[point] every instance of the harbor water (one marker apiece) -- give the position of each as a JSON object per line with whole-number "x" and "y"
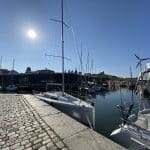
{"x": 107, "y": 116}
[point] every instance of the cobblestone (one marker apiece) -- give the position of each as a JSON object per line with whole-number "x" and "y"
{"x": 60, "y": 144}
{"x": 15, "y": 146}
{"x": 22, "y": 128}
{"x": 42, "y": 148}
{"x": 7, "y": 148}
{"x": 46, "y": 141}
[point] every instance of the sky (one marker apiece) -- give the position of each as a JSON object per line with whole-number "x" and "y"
{"x": 109, "y": 31}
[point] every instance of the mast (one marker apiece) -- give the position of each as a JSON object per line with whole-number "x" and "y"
{"x": 81, "y": 61}
{"x": 62, "y": 42}
{"x": 13, "y": 64}
{"x": 62, "y": 36}
{"x": 12, "y": 75}
{"x": 2, "y": 74}
{"x": 1, "y": 63}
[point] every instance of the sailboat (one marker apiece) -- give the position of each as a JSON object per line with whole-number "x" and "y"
{"x": 80, "y": 110}
{"x": 12, "y": 87}
{"x": 134, "y": 133}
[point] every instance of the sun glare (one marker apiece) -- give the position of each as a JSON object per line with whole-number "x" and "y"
{"x": 31, "y": 34}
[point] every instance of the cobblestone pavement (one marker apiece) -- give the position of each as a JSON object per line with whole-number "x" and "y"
{"x": 22, "y": 128}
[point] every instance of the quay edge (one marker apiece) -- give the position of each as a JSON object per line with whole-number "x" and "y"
{"x": 74, "y": 134}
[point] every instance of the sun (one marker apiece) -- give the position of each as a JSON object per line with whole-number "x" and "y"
{"x": 31, "y": 34}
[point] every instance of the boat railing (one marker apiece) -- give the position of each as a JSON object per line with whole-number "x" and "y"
{"x": 139, "y": 132}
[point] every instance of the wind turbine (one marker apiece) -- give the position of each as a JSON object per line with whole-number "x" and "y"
{"x": 140, "y": 60}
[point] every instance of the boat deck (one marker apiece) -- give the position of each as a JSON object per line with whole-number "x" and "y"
{"x": 144, "y": 121}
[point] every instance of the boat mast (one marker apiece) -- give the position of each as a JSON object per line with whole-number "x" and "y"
{"x": 1, "y": 63}
{"x": 62, "y": 36}
{"x": 2, "y": 74}
{"x": 12, "y": 75}
{"x": 13, "y": 64}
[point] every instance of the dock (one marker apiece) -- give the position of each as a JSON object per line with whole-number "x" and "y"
{"x": 27, "y": 123}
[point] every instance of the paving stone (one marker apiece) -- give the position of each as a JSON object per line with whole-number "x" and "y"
{"x": 49, "y": 145}
{"x": 60, "y": 144}
{"x": 30, "y": 148}
{"x": 46, "y": 137}
{"x": 33, "y": 138}
{"x": 2, "y": 143}
{"x": 10, "y": 134}
{"x": 7, "y": 148}
{"x": 15, "y": 146}
{"x": 28, "y": 145}
{"x": 42, "y": 148}
{"x": 21, "y": 148}
{"x": 53, "y": 147}
{"x": 21, "y": 126}
{"x": 25, "y": 142}
{"x": 55, "y": 139}
{"x": 36, "y": 146}
{"x": 42, "y": 135}
{"x": 37, "y": 141}
{"x": 47, "y": 141}
{"x": 64, "y": 148}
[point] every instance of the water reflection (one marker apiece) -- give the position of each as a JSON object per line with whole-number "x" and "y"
{"x": 107, "y": 116}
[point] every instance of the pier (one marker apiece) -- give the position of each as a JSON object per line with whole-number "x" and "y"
{"x": 28, "y": 123}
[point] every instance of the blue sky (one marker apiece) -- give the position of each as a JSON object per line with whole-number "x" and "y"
{"x": 111, "y": 30}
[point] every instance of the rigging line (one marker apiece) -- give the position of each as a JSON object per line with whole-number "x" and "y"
{"x": 76, "y": 41}
{"x": 88, "y": 121}
{"x": 57, "y": 56}
{"x": 71, "y": 28}
{"x": 77, "y": 50}
{"x": 131, "y": 82}
{"x": 57, "y": 8}
{"x": 74, "y": 36}
{"x": 121, "y": 95}
{"x": 82, "y": 67}
{"x": 93, "y": 136}
{"x": 68, "y": 3}
{"x": 67, "y": 10}
{"x": 1, "y": 62}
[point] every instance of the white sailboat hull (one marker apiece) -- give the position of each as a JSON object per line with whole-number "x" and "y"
{"x": 131, "y": 137}
{"x": 123, "y": 138}
{"x": 80, "y": 111}
{"x": 11, "y": 88}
